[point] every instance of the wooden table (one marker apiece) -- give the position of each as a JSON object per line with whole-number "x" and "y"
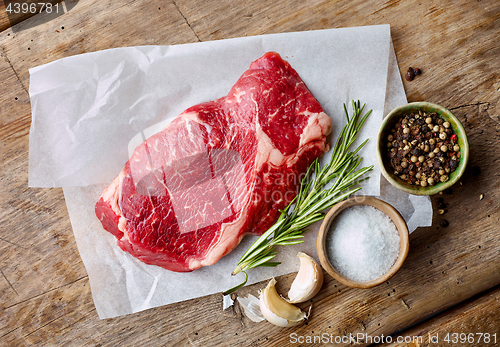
{"x": 450, "y": 281}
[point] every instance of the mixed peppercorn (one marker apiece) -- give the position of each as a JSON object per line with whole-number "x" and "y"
{"x": 411, "y": 73}
{"x": 423, "y": 149}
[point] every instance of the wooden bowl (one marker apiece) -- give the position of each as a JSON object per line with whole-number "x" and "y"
{"x": 391, "y": 212}
{"x": 381, "y": 148}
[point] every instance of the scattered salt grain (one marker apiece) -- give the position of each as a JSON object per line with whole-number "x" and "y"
{"x": 363, "y": 243}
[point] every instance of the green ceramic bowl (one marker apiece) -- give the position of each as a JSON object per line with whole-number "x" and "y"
{"x": 389, "y": 122}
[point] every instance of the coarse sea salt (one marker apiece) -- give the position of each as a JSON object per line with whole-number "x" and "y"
{"x": 362, "y": 243}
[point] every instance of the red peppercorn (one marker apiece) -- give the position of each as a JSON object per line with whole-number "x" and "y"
{"x": 453, "y": 138}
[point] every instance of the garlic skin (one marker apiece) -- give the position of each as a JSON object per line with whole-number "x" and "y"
{"x": 251, "y": 308}
{"x": 277, "y": 310}
{"x": 308, "y": 281}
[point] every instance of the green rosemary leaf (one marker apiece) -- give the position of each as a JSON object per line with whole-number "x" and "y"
{"x": 288, "y": 237}
{"x": 270, "y": 264}
{"x": 285, "y": 243}
{"x": 262, "y": 260}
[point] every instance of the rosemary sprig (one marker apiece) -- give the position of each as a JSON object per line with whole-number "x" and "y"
{"x": 314, "y": 197}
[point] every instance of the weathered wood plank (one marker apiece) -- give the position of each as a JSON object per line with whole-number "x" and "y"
{"x": 92, "y": 26}
{"x": 44, "y": 291}
{"x": 473, "y": 323}
{"x": 13, "y": 12}
{"x": 30, "y": 218}
{"x": 37, "y": 247}
{"x": 33, "y": 321}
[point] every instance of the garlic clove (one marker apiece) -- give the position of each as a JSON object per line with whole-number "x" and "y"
{"x": 277, "y": 310}
{"x": 308, "y": 281}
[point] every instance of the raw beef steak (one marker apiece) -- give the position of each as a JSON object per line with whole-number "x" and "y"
{"x": 218, "y": 171}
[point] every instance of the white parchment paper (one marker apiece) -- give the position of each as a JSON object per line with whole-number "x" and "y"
{"x": 90, "y": 111}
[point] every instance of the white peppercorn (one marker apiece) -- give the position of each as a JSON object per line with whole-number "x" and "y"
{"x": 446, "y": 124}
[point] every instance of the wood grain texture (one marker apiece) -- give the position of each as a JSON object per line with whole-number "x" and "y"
{"x": 92, "y": 26}
{"x": 473, "y": 323}
{"x": 45, "y": 299}
{"x": 13, "y": 12}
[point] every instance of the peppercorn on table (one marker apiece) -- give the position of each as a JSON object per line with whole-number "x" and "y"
{"x": 448, "y": 291}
